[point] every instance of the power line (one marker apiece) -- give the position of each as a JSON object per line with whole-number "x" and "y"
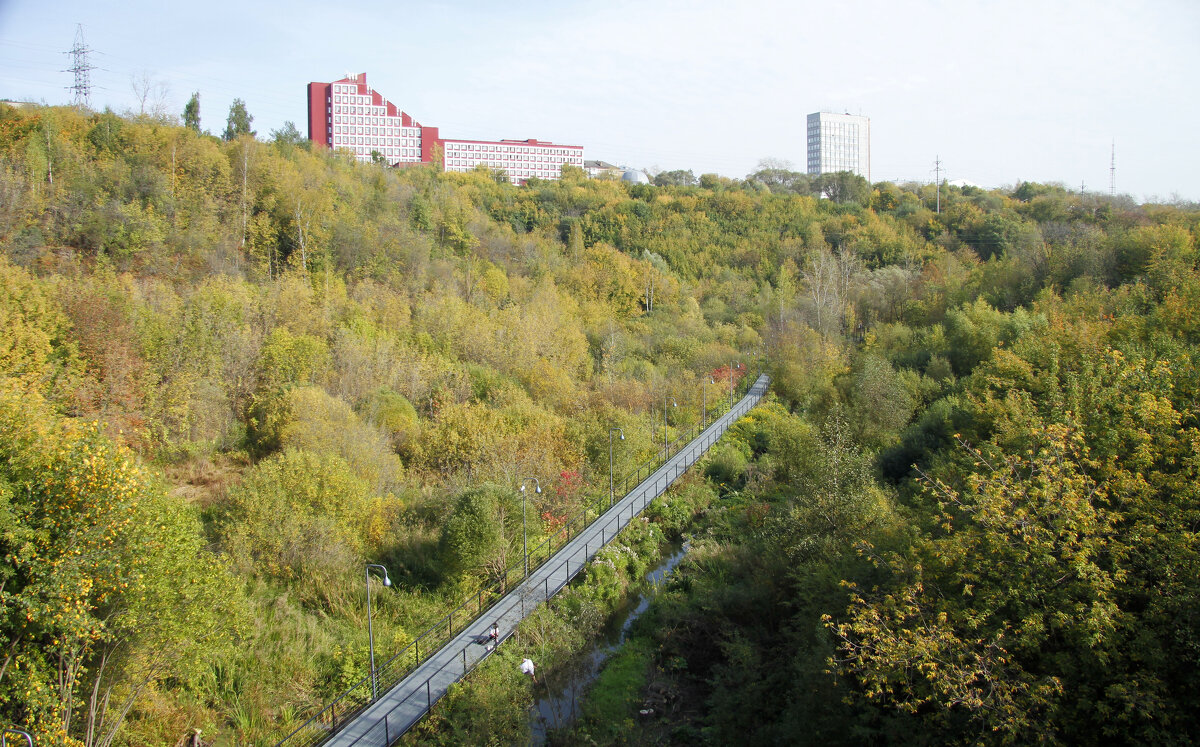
{"x": 82, "y": 68}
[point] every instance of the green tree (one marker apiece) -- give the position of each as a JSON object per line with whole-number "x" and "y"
{"x": 837, "y": 503}
{"x": 285, "y": 360}
{"x": 677, "y": 178}
{"x": 191, "y": 113}
{"x": 1002, "y": 615}
{"x": 394, "y": 415}
{"x": 778, "y": 176}
{"x": 480, "y": 532}
{"x": 881, "y": 402}
{"x": 318, "y": 422}
{"x": 844, "y": 187}
{"x": 994, "y": 234}
{"x": 288, "y": 135}
{"x": 238, "y": 123}
{"x": 298, "y": 515}
{"x": 35, "y": 351}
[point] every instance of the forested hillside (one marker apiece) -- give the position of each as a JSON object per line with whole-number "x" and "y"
{"x": 233, "y": 372}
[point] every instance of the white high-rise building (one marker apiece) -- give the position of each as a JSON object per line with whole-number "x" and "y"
{"x": 839, "y": 142}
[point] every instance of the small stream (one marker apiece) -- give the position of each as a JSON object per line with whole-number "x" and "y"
{"x": 559, "y": 707}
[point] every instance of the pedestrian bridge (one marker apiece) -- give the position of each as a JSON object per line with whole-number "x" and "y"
{"x": 409, "y": 685}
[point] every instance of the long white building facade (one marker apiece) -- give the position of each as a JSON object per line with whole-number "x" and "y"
{"x": 839, "y": 142}
{"x": 348, "y": 114}
{"x": 518, "y": 159}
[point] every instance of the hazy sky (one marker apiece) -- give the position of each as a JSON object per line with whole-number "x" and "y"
{"x": 1000, "y": 90}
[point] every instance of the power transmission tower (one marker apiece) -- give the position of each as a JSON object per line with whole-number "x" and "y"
{"x": 82, "y": 67}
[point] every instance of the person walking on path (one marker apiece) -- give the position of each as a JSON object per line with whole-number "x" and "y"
{"x": 491, "y": 638}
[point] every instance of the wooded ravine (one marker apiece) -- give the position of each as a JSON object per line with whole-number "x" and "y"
{"x": 232, "y": 372}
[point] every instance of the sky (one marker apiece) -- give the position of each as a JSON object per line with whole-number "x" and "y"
{"x": 997, "y": 91}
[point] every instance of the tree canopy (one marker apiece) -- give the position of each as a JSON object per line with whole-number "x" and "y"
{"x": 966, "y": 514}
{"x": 237, "y": 123}
{"x": 191, "y": 113}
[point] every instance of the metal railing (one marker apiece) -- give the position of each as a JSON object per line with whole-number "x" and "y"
{"x": 351, "y": 703}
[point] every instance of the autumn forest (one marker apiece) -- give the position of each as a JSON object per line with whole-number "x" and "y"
{"x": 233, "y": 370}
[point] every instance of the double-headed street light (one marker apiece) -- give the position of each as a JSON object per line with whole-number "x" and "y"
{"x": 370, "y": 632}
{"x": 610, "y": 462}
{"x": 524, "y": 532}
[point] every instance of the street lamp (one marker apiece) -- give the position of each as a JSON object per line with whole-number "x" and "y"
{"x": 704, "y": 389}
{"x": 673, "y": 404}
{"x": 731, "y": 364}
{"x": 370, "y": 631}
{"x": 610, "y": 462}
{"x": 524, "y": 532}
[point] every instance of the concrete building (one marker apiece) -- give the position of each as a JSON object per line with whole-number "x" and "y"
{"x": 347, "y": 114}
{"x": 519, "y": 159}
{"x": 596, "y": 169}
{"x": 839, "y": 142}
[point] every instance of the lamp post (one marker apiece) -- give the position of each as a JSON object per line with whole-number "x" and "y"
{"x": 704, "y": 389}
{"x": 731, "y": 364}
{"x": 673, "y": 404}
{"x": 370, "y": 631}
{"x": 610, "y": 462}
{"x": 524, "y": 532}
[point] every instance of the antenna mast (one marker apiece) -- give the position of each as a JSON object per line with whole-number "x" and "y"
{"x": 82, "y": 67}
{"x": 1112, "y": 171}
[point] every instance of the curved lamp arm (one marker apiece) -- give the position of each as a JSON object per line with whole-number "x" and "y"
{"x": 13, "y": 730}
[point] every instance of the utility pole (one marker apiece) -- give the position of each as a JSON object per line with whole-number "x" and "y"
{"x": 82, "y": 69}
{"x": 937, "y": 170}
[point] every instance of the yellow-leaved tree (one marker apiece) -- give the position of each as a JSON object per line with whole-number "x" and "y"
{"x": 106, "y": 584}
